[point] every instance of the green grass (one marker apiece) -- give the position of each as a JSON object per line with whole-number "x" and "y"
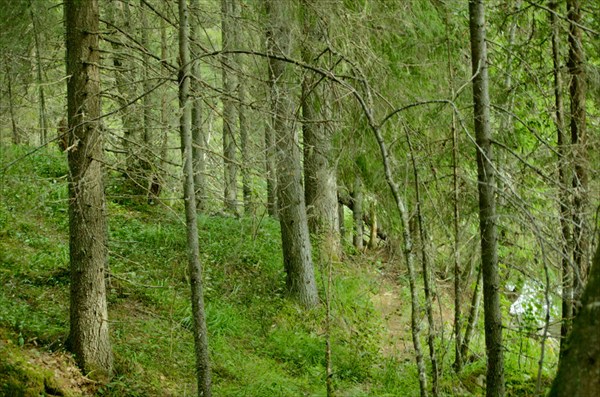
{"x": 261, "y": 344}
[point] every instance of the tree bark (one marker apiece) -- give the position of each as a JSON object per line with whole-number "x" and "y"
{"x": 89, "y": 335}
{"x": 296, "y": 244}
{"x": 563, "y": 194}
{"x": 199, "y": 142}
{"x": 426, "y": 278}
{"x": 271, "y": 166}
{"x": 146, "y": 163}
{"x": 11, "y": 108}
{"x": 357, "y": 214}
{"x": 472, "y": 318}
{"x": 43, "y": 125}
{"x": 126, "y": 76}
{"x": 577, "y": 90}
{"x": 242, "y": 119}
{"x": 579, "y": 367}
{"x": 269, "y": 131}
{"x": 320, "y": 179}
{"x": 193, "y": 251}
{"x": 230, "y": 118}
{"x": 487, "y": 203}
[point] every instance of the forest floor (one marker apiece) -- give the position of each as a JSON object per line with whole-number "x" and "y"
{"x": 261, "y": 343}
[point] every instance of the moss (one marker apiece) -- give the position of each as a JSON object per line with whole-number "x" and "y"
{"x": 20, "y": 378}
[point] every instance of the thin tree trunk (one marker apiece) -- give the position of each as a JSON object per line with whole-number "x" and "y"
{"x": 164, "y": 107}
{"x": 296, "y": 244}
{"x": 563, "y": 195}
{"x": 426, "y": 279}
{"x": 242, "y": 119}
{"x": 38, "y": 60}
{"x": 487, "y": 203}
{"x": 342, "y": 222}
{"x": 407, "y": 239}
{"x": 125, "y": 77}
{"x": 458, "y": 360}
{"x": 11, "y": 107}
{"x": 357, "y": 214}
{"x": 193, "y": 251}
{"x": 473, "y": 316}
{"x": 270, "y": 152}
{"x": 577, "y": 91}
{"x": 230, "y": 118}
{"x": 146, "y": 166}
{"x": 373, "y": 225}
{"x": 89, "y": 334}
{"x": 328, "y": 363}
{"x": 198, "y": 136}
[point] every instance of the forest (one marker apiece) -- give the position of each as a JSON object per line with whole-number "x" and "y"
{"x": 299, "y": 198}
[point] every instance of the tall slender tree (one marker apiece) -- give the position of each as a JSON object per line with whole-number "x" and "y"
{"x": 198, "y": 134}
{"x": 564, "y": 199}
{"x": 487, "y": 201}
{"x": 88, "y": 337}
{"x": 295, "y": 239}
{"x": 38, "y": 62}
{"x": 230, "y": 119}
{"x": 203, "y": 375}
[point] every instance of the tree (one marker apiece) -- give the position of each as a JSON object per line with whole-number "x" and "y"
{"x": 89, "y": 337}
{"x": 193, "y": 250}
{"x": 357, "y": 213}
{"x": 487, "y": 203}
{"x": 230, "y": 118}
{"x": 320, "y": 181}
{"x": 579, "y": 366}
{"x": 40, "y": 81}
{"x": 566, "y": 275}
{"x": 298, "y": 264}
{"x": 126, "y": 73}
{"x": 198, "y": 134}
{"x": 577, "y": 90}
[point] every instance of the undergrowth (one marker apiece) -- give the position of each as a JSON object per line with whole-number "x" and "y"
{"x": 261, "y": 344}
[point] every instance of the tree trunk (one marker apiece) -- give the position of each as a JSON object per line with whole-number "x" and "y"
{"x": 473, "y": 317}
{"x": 487, "y": 203}
{"x": 271, "y": 166}
{"x": 164, "y": 109}
{"x": 563, "y": 194}
{"x": 242, "y": 119}
{"x": 38, "y": 60}
{"x": 11, "y": 108}
{"x": 230, "y": 118}
{"x": 198, "y": 136}
{"x": 426, "y": 278}
{"x": 373, "y": 225}
{"x": 577, "y": 90}
{"x": 342, "y": 222}
{"x": 270, "y": 152}
{"x": 357, "y": 214}
{"x": 89, "y": 336}
{"x": 126, "y": 74}
{"x": 146, "y": 162}
{"x": 296, "y": 244}
{"x": 579, "y": 366}
{"x": 320, "y": 180}
{"x": 193, "y": 250}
